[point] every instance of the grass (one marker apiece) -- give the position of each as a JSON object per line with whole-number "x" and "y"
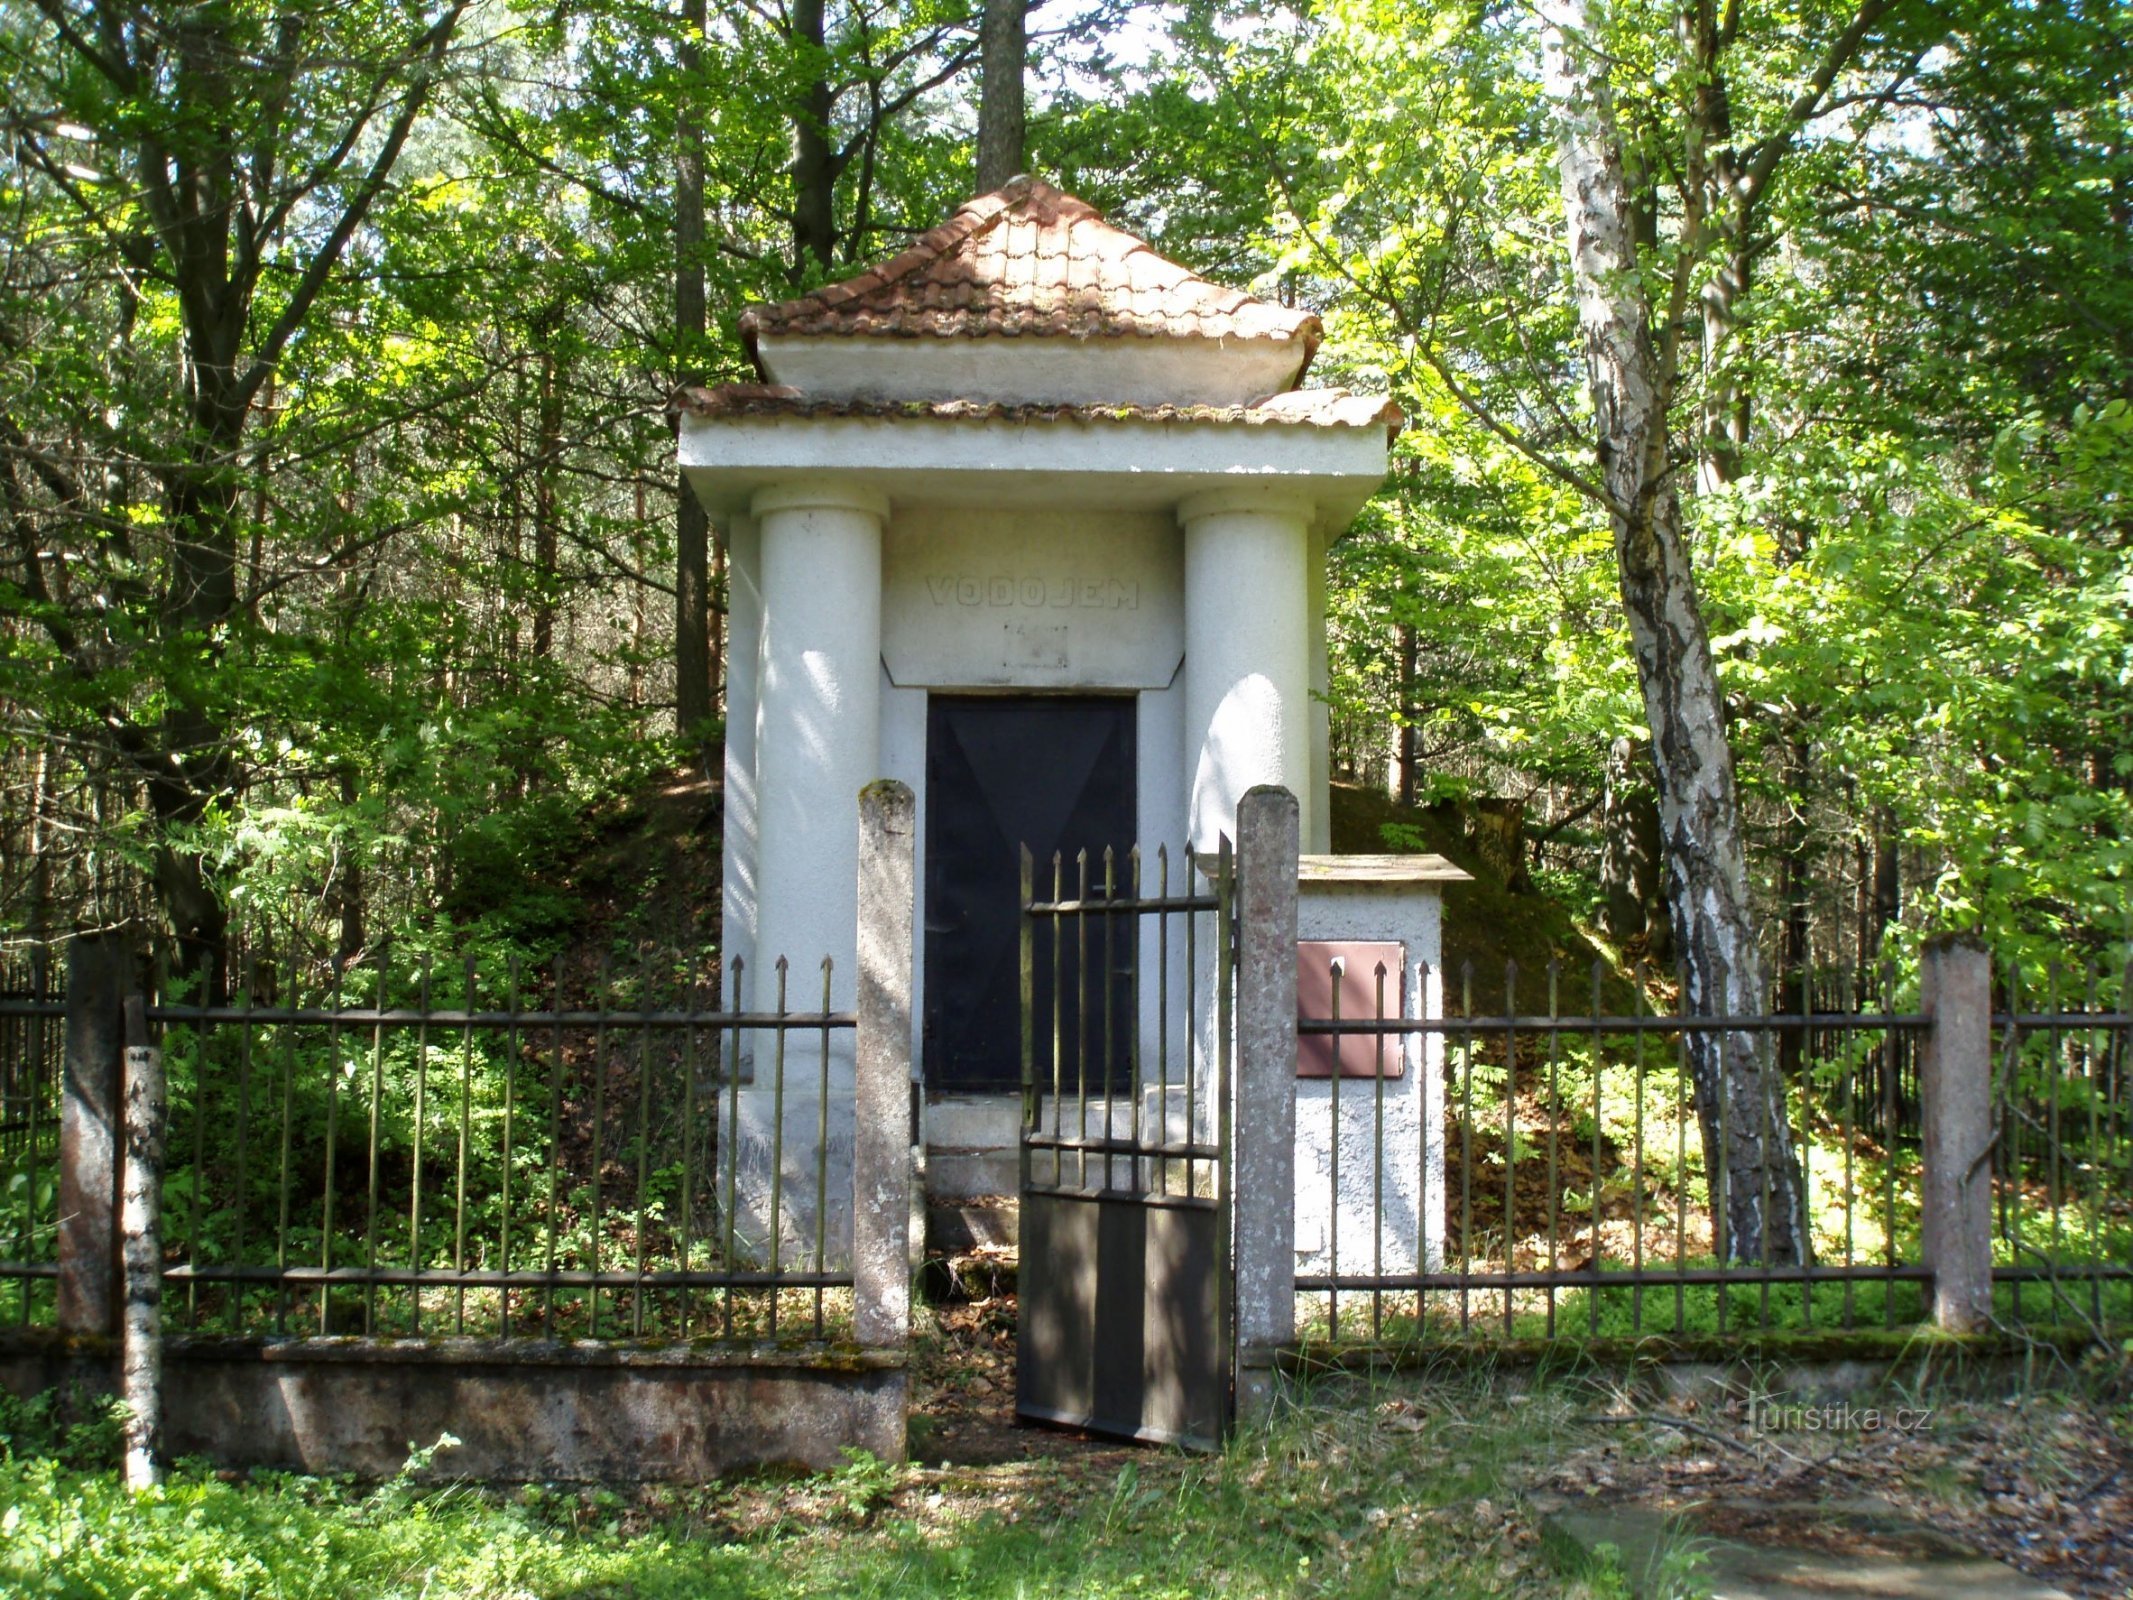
{"x": 1363, "y": 1485}
{"x": 1346, "y": 1494}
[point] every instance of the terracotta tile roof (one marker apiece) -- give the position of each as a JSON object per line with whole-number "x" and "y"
{"x": 1318, "y": 408}
{"x": 1027, "y": 260}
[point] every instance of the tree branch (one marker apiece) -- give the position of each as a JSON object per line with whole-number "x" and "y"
{"x": 434, "y": 44}
{"x": 1764, "y": 156}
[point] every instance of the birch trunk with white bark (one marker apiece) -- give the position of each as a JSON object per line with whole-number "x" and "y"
{"x": 1739, "y": 1093}
{"x": 141, "y": 1228}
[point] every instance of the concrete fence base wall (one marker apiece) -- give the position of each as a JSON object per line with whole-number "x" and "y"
{"x": 522, "y": 1411}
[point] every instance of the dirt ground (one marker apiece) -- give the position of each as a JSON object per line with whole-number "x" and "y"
{"x": 964, "y": 1411}
{"x": 2041, "y": 1478}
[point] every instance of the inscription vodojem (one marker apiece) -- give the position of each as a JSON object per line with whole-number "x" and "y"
{"x": 1036, "y": 594}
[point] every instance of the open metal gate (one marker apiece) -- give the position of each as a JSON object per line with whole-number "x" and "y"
{"x": 1125, "y": 1282}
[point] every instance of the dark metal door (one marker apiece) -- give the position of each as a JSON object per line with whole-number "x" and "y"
{"x": 1125, "y": 1220}
{"x": 1053, "y": 773}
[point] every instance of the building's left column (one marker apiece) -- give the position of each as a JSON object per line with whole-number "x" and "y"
{"x": 818, "y": 726}
{"x": 817, "y": 744}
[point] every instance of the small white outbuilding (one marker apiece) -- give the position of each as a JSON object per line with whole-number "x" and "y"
{"x": 1035, "y": 521}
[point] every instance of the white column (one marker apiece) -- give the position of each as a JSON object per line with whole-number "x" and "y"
{"x": 1247, "y": 653}
{"x": 1318, "y": 799}
{"x": 744, "y": 630}
{"x": 818, "y": 727}
{"x": 817, "y": 744}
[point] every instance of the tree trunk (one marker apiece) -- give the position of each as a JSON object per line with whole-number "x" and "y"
{"x": 1496, "y": 827}
{"x": 1795, "y": 887}
{"x": 1003, "y": 55}
{"x": 547, "y": 536}
{"x": 39, "y": 917}
{"x": 1633, "y": 857}
{"x": 717, "y": 607}
{"x": 143, "y": 1123}
{"x": 1408, "y": 653}
{"x": 1728, "y": 208}
{"x": 1887, "y": 900}
{"x": 1739, "y": 1094}
{"x": 814, "y": 163}
{"x": 692, "y": 617}
{"x": 1725, "y": 397}
{"x": 262, "y": 486}
{"x": 351, "y": 889}
{"x": 640, "y": 622}
{"x": 692, "y": 643}
{"x": 194, "y": 762}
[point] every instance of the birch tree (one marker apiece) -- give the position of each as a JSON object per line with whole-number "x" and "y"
{"x": 1631, "y": 372}
{"x": 1514, "y": 205}
{"x": 1634, "y": 353}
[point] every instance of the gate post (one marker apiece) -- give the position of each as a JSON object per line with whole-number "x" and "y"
{"x": 1263, "y": 1158}
{"x": 1955, "y": 1093}
{"x": 98, "y": 969}
{"x": 881, "y": 1133}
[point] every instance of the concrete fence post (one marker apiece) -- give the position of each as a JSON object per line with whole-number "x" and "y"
{"x": 1955, "y": 1090}
{"x": 1263, "y": 1153}
{"x": 881, "y": 1138}
{"x": 98, "y": 968}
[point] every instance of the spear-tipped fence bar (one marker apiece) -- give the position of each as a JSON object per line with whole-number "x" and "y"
{"x": 2062, "y": 1176}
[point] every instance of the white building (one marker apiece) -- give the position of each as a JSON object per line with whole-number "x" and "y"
{"x": 1034, "y": 521}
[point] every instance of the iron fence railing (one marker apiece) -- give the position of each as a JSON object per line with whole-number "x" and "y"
{"x": 424, "y": 1150}
{"x": 412, "y": 1148}
{"x": 1121, "y": 970}
{"x": 32, "y": 1036}
{"x": 1575, "y": 1198}
{"x": 2062, "y": 1148}
{"x": 30, "y": 1041}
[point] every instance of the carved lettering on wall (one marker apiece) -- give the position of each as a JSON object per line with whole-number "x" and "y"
{"x": 1034, "y": 594}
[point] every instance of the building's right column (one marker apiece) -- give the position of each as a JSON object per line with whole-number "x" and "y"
{"x": 1318, "y": 797}
{"x": 1247, "y": 654}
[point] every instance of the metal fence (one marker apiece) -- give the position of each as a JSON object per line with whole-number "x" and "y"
{"x": 1567, "y": 1190}
{"x": 32, "y": 1034}
{"x": 407, "y": 1148}
{"x": 1123, "y": 1051}
{"x": 2062, "y": 1149}
{"x": 411, "y": 1148}
{"x": 30, "y": 1042}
